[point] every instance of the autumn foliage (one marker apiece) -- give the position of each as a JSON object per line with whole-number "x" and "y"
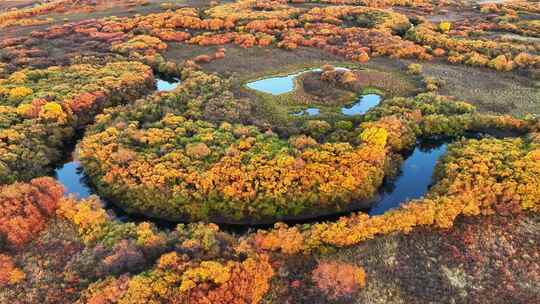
{"x": 471, "y": 192}
{"x": 41, "y": 108}
{"x": 226, "y": 171}
{"x": 202, "y": 152}
{"x": 9, "y": 273}
{"x": 344, "y": 28}
{"x": 178, "y": 280}
{"x": 25, "y": 209}
{"x": 337, "y": 279}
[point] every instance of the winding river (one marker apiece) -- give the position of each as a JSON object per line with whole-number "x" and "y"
{"x": 412, "y": 182}
{"x": 414, "y": 179}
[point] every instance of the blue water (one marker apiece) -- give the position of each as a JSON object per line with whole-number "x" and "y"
{"x": 274, "y": 85}
{"x": 280, "y": 84}
{"x": 360, "y": 107}
{"x": 71, "y": 176}
{"x": 308, "y": 111}
{"x": 414, "y": 180}
{"x": 165, "y": 85}
{"x": 364, "y": 104}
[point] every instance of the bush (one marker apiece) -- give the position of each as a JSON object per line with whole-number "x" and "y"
{"x": 26, "y": 207}
{"x": 414, "y": 69}
{"x": 344, "y": 125}
{"x": 445, "y": 26}
{"x": 338, "y": 279}
{"x": 374, "y": 136}
{"x": 197, "y": 150}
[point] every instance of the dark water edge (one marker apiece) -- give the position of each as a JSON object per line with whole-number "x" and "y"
{"x": 167, "y": 84}
{"x": 363, "y": 104}
{"x": 413, "y": 181}
{"x": 414, "y": 178}
{"x": 359, "y": 107}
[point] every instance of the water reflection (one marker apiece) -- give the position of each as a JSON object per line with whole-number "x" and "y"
{"x": 415, "y": 177}
{"x": 164, "y": 85}
{"x": 362, "y": 105}
{"x": 72, "y": 177}
{"x": 308, "y": 111}
{"x": 281, "y": 84}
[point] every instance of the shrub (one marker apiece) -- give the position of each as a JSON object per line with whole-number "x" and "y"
{"x": 375, "y": 136}
{"x": 501, "y": 63}
{"x": 18, "y": 93}
{"x": 198, "y": 150}
{"x": 338, "y": 279}
{"x": 445, "y": 26}
{"x": 414, "y": 69}
{"x": 344, "y": 125}
{"x": 26, "y": 207}
{"x": 9, "y": 273}
{"x": 302, "y": 141}
{"x": 317, "y": 127}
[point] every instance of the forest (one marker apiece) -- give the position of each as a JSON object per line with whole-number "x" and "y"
{"x": 269, "y": 151}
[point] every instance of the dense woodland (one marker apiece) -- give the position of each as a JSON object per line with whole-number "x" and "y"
{"x": 208, "y": 174}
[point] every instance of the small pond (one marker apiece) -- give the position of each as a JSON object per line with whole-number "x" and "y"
{"x": 280, "y": 84}
{"x": 165, "y": 85}
{"x": 362, "y": 105}
{"x": 308, "y": 111}
{"x": 274, "y": 85}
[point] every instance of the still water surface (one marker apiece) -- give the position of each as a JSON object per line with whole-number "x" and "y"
{"x": 413, "y": 181}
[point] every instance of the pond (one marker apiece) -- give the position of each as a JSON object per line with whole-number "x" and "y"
{"x": 308, "y": 111}
{"x": 165, "y": 85}
{"x": 274, "y": 85}
{"x": 362, "y": 105}
{"x": 280, "y": 84}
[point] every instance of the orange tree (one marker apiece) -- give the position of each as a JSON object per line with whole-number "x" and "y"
{"x": 25, "y": 208}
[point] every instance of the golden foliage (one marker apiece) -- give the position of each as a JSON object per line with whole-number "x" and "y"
{"x": 374, "y": 136}
{"x": 9, "y": 273}
{"x": 474, "y": 180}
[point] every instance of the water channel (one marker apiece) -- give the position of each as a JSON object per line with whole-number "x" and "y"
{"x": 412, "y": 182}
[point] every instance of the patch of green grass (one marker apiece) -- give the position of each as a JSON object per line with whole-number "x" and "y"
{"x": 372, "y": 90}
